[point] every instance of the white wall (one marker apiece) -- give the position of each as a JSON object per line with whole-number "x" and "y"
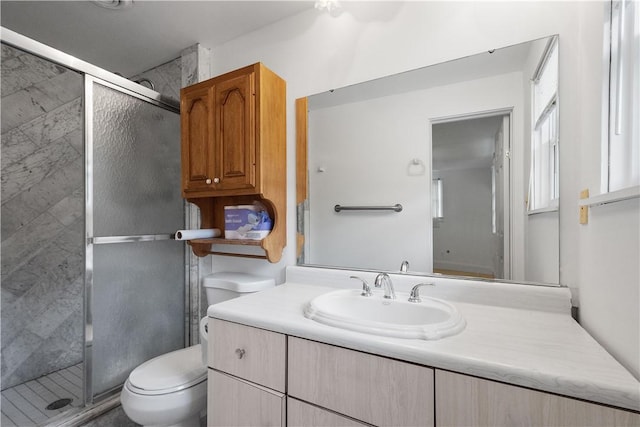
{"x": 315, "y": 52}
{"x": 542, "y": 252}
{"x": 365, "y": 149}
{"x": 375, "y": 142}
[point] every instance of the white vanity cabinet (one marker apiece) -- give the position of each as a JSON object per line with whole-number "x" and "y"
{"x": 467, "y": 401}
{"x": 264, "y": 378}
{"x": 522, "y": 362}
{"x": 373, "y": 389}
{"x": 246, "y": 381}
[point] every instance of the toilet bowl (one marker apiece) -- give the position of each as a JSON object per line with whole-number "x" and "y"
{"x": 171, "y": 389}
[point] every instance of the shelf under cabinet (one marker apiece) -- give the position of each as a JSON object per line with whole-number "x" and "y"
{"x": 222, "y": 241}
{"x": 203, "y": 247}
{"x": 212, "y": 216}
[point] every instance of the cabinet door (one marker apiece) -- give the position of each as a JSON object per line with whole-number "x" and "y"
{"x": 234, "y": 402}
{"x": 376, "y": 390}
{"x": 468, "y": 401}
{"x": 301, "y": 414}
{"x": 236, "y": 133}
{"x": 197, "y": 135}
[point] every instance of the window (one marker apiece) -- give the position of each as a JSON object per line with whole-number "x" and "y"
{"x": 621, "y": 165}
{"x": 437, "y": 202}
{"x": 543, "y": 181}
{"x": 494, "y": 225}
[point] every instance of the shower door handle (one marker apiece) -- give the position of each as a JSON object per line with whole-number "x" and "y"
{"x": 103, "y": 240}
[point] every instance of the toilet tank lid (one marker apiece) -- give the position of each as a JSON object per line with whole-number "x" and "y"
{"x": 238, "y": 282}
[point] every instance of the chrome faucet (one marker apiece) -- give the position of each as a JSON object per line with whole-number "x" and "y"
{"x": 414, "y": 296}
{"x": 383, "y": 280}
{"x": 366, "y": 289}
{"x": 404, "y": 266}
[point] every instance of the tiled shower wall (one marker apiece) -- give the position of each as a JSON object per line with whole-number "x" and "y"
{"x": 42, "y": 217}
{"x": 42, "y": 211}
{"x": 166, "y": 78}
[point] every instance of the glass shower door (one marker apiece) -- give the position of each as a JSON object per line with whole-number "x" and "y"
{"x": 135, "y": 299}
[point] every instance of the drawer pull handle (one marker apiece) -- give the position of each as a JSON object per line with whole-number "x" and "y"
{"x": 240, "y": 353}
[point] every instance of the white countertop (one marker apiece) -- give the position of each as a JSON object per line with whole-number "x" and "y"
{"x": 542, "y": 350}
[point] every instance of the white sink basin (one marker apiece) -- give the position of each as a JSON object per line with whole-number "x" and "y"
{"x": 430, "y": 319}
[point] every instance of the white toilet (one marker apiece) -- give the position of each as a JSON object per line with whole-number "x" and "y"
{"x": 171, "y": 389}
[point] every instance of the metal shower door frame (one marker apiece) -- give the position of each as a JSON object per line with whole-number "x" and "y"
{"x": 93, "y": 74}
{"x": 89, "y": 84}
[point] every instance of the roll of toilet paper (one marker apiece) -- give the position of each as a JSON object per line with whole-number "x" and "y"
{"x": 204, "y": 233}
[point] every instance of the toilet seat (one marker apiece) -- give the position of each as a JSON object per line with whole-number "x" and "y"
{"x": 168, "y": 373}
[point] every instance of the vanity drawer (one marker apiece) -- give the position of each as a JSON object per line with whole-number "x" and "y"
{"x": 250, "y": 353}
{"x": 370, "y": 388}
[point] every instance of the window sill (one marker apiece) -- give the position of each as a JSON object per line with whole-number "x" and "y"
{"x": 611, "y": 197}
{"x": 543, "y": 210}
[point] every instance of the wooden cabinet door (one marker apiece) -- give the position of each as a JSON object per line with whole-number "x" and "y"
{"x": 467, "y": 401}
{"x": 232, "y": 402}
{"x": 374, "y": 389}
{"x": 302, "y": 414}
{"x": 235, "y": 133}
{"x": 197, "y": 135}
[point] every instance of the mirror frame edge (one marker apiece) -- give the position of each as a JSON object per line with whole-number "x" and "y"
{"x": 302, "y": 110}
{"x": 302, "y": 133}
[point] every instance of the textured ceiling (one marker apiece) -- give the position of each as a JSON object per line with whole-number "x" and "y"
{"x": 147, "y": 34}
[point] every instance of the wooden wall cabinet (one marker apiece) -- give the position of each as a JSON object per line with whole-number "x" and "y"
{"x": 233, "y": 132}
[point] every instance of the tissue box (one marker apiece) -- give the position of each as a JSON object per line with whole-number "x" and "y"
{"x": 246, "y": 222}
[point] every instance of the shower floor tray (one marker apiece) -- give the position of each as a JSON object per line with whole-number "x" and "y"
{"x": 26, "y": 404}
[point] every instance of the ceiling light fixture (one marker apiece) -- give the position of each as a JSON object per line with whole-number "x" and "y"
{"x": 330, "y": 6}
{"x": 113, "y": 4}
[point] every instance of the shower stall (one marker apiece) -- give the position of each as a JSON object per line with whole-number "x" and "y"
{"x": 93, "y": 283}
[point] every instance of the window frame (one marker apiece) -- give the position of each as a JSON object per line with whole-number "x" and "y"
{"x": 545, "y": 151}
{"x": 611, "y": 115}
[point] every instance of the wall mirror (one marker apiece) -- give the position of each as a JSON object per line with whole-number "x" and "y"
{"x": 452, "y": 167}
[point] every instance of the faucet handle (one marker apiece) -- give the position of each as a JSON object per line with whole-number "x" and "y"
{"x": 414, "y": 296}
{"x": 366, "y": 289}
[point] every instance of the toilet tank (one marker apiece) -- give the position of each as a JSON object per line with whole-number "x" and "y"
{"x": 223, "y": 286}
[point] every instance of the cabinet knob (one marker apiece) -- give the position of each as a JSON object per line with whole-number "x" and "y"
{"x": 216, "y": 180}
{"x": 208, "y": 181}
{"x": 240, "y": 353}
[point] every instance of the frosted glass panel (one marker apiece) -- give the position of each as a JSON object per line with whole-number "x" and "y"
{"x": 136, "y": 154}
{"x": 138, "y": 289}
{"x": 138, "y": 303}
